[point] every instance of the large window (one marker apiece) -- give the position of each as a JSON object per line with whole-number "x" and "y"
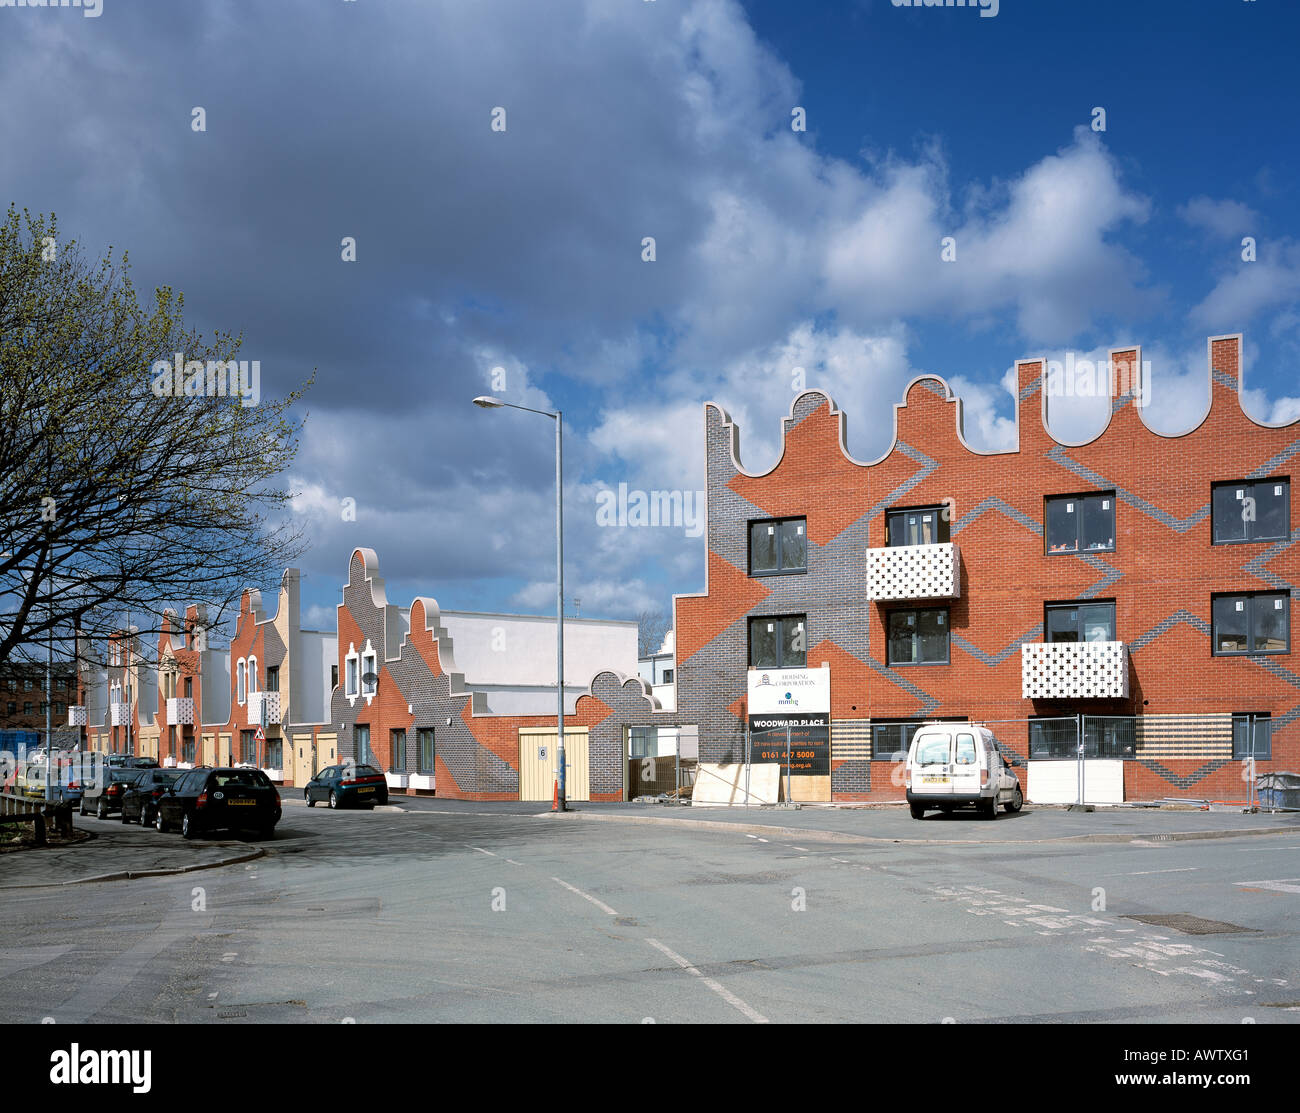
{"x": 353, "y": 667}
{"x": 187, "y": 749}
{"x": 240, "y": 687}
{"x": 1080, "y": 523}
{"x": 368, "y": 675}
{"x": 777, "y": 546}
{"x": 272, "y": 678}
{"x": 1104, "y": 736}
{"x": 424, "y": 762}
{"x": 918, "y": 637}
{"x": 248, "y": 747}
{"x": 274, "y": 754}
{"x": 926, "y": 525}
{"x": 1254, "y": 622}
{"x": 1257, "y": 510}
{"x": 642, "y": 742}
{"x": 778, "y": 642}
{"x": 362, "y": 734}
{"x": 397, "y": 751}
{"x": 1080, "y": 622}
{"x": 1252, "y": 736}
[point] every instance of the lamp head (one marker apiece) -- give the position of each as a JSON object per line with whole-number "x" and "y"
{"x": 488, "y": 402}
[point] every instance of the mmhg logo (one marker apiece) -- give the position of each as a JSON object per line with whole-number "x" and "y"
{"x": 98, "y": 1068}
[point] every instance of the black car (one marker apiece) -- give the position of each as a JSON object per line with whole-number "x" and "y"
{"x": 103, "y": 795}
{"x": 361, "y": 785}
{"x": 129, "y": 761}
{"x": 140, "y": 798}
{"x": 224, "y": 799}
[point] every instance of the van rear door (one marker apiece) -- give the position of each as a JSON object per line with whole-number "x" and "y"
{"x": 968, "y": 761}
{"x": 933, "y": 763}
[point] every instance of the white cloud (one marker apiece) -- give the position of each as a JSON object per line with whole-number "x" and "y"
{"x": 1225, "y": 219}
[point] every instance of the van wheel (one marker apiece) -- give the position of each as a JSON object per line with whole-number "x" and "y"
{"x": 82, "y": 806}
{"x": 918, "y": 811}
{"x": 1017, "y": 801}
{"x": 989, "y": 808}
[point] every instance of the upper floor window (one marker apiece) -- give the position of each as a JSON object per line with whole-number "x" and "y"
{"x": 1252, "y": 622}
{"x": 1257, "y": 510}
{"x": 272, "y": 678}
{"x": 918, "y": 637}
{"x": 241, "y": 683}
{"x": 252, "y": 675}
{"x": 1080, "y": 523}
{"x": 778, "y": 642}
{"x": 368, "y": 675}
{"x": 778, "y": 545}
{"x": 352, "y": 665}
{"x": 926, "y": 525}
{"x": 1080, "y": 622}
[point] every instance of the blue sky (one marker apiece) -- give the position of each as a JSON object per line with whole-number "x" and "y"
{"x": 521, "y": 249}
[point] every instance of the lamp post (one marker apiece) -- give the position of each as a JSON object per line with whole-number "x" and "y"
{"x": 487, "y": 402}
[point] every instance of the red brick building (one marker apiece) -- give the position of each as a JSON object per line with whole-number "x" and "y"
{"x": 1143, "y": 581}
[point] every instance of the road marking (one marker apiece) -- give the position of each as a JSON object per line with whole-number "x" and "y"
{"x": 1257, "y": 849}
{"x": 721, "y": 990}
{"x": 1141, "y": 873}
{"x": 230, "y": 956}
{"x": 212, "y": 995}
{"x": 803, "y": 848}
{"x": 481, "y": 850}
{"x": 586, "y": 896}
{"x": 844, "y": 861}
{"x": 513, "y": 862}
{"x": 1282, "y": 885}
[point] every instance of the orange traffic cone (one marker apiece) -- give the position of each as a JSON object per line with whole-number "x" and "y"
{"x": 555, "y": 803}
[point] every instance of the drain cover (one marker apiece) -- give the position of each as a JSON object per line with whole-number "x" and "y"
{"x": 1190, "y": 925}
{"x": 230, "y": 1014}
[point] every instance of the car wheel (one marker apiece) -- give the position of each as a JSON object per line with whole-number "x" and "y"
{"x": 124, "y": 818}
{"x": 102, "y": 811}
{"x": 989, "y": 808}
{"x": 82, "y": 807}
{"x": 266, "y": 833}
{"x": 188, "y": 830}
{"x": 1016, "y": 802}
{"x": 336, "y": 801}
{"x": 307, "y": 796}
{"x": 159, "y": 822}
{"x": 918, "y": 811}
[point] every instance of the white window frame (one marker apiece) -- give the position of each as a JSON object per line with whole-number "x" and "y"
{"x": 240, "y": 681}
{"x": 369, "y": 654}
{"x": 352, "y": 674}
{"x": 252, "y": 675}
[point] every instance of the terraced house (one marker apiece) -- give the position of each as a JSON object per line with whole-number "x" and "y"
{"x": 1136, "y": 589}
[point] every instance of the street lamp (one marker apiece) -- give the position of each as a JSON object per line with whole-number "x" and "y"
{"x": 487, "y": 402}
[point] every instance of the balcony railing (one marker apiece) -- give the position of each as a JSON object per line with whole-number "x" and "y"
{"x": 1074, "y": 670}
{"x": 77, "y": 716}
{"x": 268, "y": 700}
{"x": 180, "y": 711}
{"x": 914, "y": 572}
{"x": 119, "y": 714}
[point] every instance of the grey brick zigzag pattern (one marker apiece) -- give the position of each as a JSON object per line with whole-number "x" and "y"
{"x": 1184, "y": 781}
{"x": 1178, "y": 525}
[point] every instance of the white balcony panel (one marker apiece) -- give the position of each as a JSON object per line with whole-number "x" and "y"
{"x": 424, "y": 781}
{"x": 914, "y": 572}
{"x": 77, "y": 717}
{"x": 119, "y": 714}
{"x": 269, "y": 700}
{"x": 180, "y": 711}
{"x": 1074, "y": 670}
{"x": 397, "y": 780}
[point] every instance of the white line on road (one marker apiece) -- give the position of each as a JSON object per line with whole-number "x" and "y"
{"x": 586, "y": 896}
{"x": 721, "y": 990}
{"x": 1281, "y": 885}
{"x": 480, "y": 850}
{"x": 803, "y": 848}
{"x": 1140, "y": 873}
{"x": 513, "y": 862}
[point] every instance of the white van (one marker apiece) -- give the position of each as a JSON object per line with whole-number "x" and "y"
{"x": 956, "y": 765}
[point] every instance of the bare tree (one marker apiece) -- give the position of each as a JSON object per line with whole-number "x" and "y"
{"x": 123, "y": 488}
{"x": 652, "y": 628}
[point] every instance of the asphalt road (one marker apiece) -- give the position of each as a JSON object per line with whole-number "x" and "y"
{"x": 452, "y": 914}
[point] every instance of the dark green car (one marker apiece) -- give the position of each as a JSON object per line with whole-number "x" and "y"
{"x": 347, "y": 785}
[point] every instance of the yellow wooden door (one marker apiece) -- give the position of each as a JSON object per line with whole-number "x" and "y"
{"x": 538, "y": 753}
